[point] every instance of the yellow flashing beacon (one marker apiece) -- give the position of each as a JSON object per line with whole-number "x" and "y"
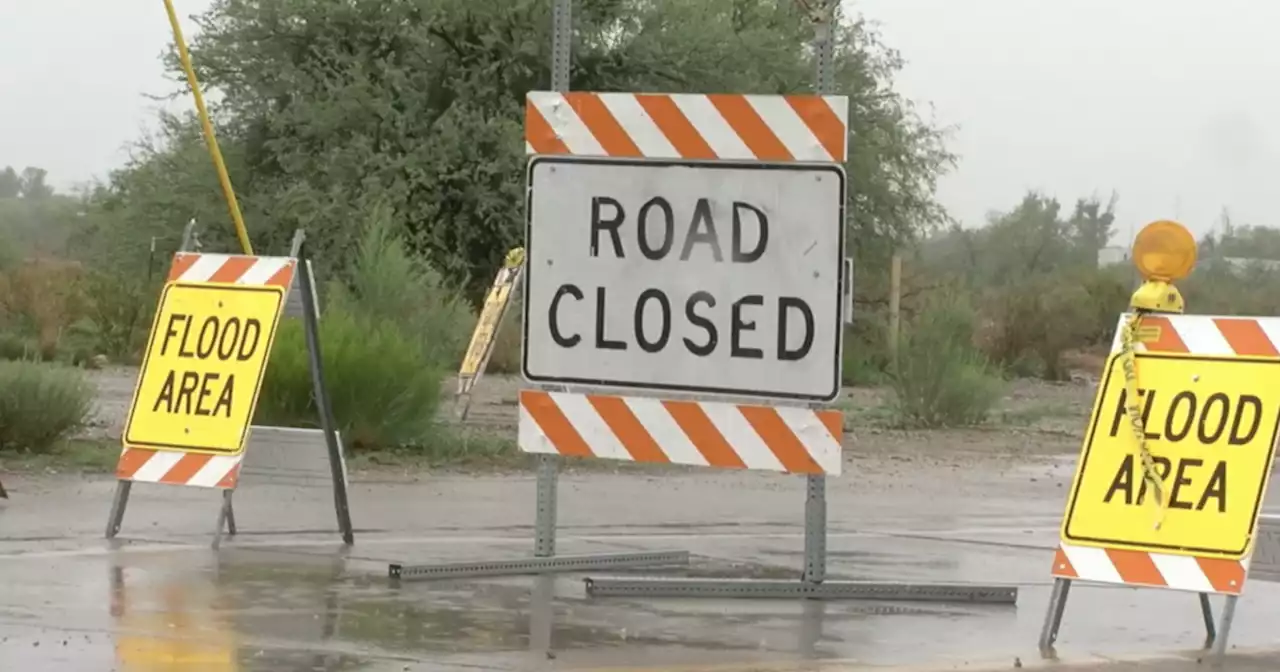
{"x": 1164, "y": 251}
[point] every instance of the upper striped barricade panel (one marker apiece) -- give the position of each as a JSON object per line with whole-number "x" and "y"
{"x": 708, "y": 434}
{"x": 1154, "y": 570}
{"x": 1206, "y": 335}
{"x": 688, "y": 126}
{"x": 233, "y": 269}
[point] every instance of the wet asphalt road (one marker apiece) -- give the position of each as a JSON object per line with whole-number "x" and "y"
{"x": 286, "y": 595}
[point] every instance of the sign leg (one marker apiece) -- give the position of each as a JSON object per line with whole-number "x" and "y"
{"x": 116, "y": 517}
{"x": 544, "y": 542}
{"x": 327, "y": 422}
{"x": 231, "y": 511}
{"x": 1053, "y": 616}
{"x": 224, "y": 513}
{"x": 1224, "y": 627}
{"x": 815, "y": 529}
{"x": 1206, "y": 611}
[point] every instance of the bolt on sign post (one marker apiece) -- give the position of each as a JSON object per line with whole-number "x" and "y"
{"x": 683, "y": 299}
{"x": 197, "y": 390}
{"x": 1179, "y": 447}
{"x": 480, "y": 349}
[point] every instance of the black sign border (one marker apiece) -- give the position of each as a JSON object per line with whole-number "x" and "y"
{"x": 836, "y": 169}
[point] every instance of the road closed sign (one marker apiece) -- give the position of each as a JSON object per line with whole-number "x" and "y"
{"x": 685, "y": 276}
{"x": 203, "y": 367}
{"x": 1211, "y": 425}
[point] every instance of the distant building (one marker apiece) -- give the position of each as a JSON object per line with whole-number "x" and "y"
{"x": 1241, "y": 263}
{"x": 1110, "y": 256}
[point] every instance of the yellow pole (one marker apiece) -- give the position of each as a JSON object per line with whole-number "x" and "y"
{"x": 209, "y": 138}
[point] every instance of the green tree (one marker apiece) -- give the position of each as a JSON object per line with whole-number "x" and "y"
{"x": 32, "y": 184}
{"x": 328, "y": 108}
{"x": 10, "y": 183}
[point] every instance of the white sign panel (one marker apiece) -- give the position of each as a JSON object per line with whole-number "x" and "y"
{"x": 719, "y": 278}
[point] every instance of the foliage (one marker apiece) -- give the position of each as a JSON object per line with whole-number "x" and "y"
{"x": 40, "y": 404}
{"x": 326, "y": 109}
{"x": 41, "y": 298}
{"x": 120, "y": 307}
{"x": 384, "y": 390}
{"x": 940, "y": 378}
{"x": 392, "y": 285}
{"x": 388, "y": 336}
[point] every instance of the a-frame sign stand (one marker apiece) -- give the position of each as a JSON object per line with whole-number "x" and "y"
{"x": 155, "y": 462}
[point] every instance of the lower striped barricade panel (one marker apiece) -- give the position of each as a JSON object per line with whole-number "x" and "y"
{"x": 177, "y": 468}
{"x": 1154, "y": 570}
{"x": 708, "y": 434}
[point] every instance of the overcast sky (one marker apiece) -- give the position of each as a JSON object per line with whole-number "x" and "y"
{"x": 1174, "y": 104}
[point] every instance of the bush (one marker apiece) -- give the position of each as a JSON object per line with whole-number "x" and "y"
{"x": 384, "y": 387}
{"x": 941, "y": 379}
{"x": 392, "y": 285}
{"x": 41, "y": 404}
{"x": 120, "y": 306}
{"x": 388, "y": 337}
{"x": 41, "y": 298}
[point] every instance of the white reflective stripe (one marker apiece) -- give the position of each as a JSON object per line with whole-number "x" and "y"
{"x": 214, "y": 470}
{"x": 204, "y": 268}
{"x": 639, "y": 126}
{"x": 530, "y": 437}
{"x": 655, "y": 418}
{"x": 157, "y": 466}
{"x": 1270, "y": 327}
{"x": 711, "y": 125}
{"x": 742, "y": 437}
{"x": 1200, "y": 335}
{"x": 562, "y": 119}
{"x": 785, "y": 123}
{"x": 1182, "y": 572}
{"x": 263, "y": 270}
{"x": 591, "y": 427}
{"x": 817, "y": 440}
{"x": 1092, "y": 564}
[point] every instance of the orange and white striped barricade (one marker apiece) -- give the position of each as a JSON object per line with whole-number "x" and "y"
{"x": 684, "y": 286}
{"x": 1208, "y": 393}
{"x": 197, "y": 390}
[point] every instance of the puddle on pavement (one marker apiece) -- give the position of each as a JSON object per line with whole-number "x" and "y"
{"x": 249, "y": 610}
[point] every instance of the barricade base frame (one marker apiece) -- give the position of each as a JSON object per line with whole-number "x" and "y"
{"x": 1216, "y": 633}
{"x": 311, "y": 328}
{"x": 812, "y": 584}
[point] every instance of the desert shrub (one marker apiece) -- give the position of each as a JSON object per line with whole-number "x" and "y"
{"x": 865, "y": 357}
{"x": 390, "y": 284}
{"x": 41, "y": 404}
{"x": 388, "y": 336}
{"x": 120, "y": 306}
{"x": 1031, "y": 324}
{"x": 941, "y": 378}
{"x": 384, "y": 388}
{"x": 42, "y": 298}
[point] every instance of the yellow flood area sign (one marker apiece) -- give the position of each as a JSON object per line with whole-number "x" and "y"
{"x": 203, "y": 367}
{"x": 1211, "y": 424}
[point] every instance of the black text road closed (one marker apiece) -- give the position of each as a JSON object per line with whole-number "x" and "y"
{"x": 1211, "y": 426}
{"x": 203, "y": 367}
{"x": 690, "y": 277}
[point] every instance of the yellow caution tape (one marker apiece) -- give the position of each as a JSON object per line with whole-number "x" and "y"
{"x": 1128, "y": 336}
